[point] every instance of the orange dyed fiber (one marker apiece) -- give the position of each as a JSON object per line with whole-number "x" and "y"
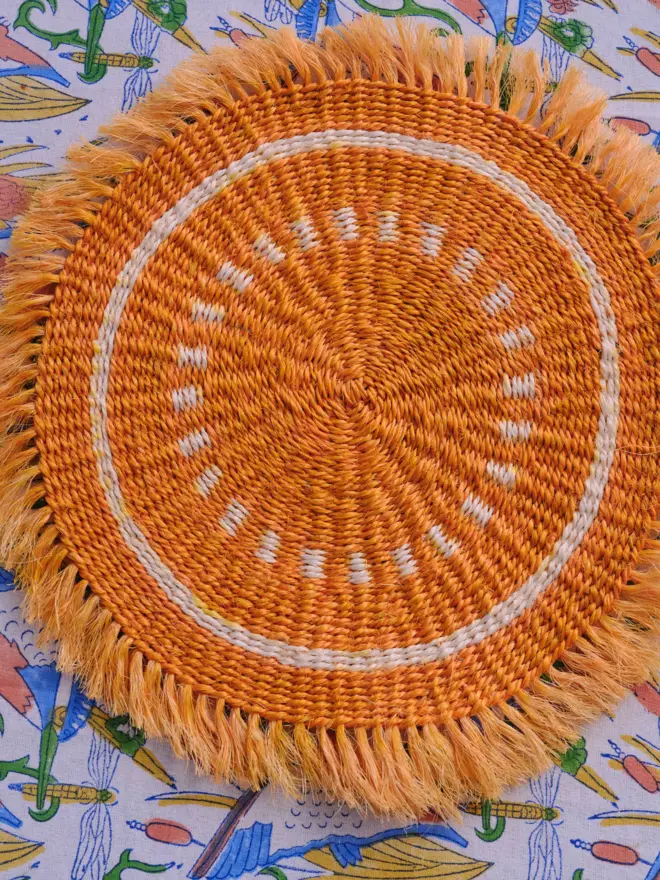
{"x": 329, "y": 415}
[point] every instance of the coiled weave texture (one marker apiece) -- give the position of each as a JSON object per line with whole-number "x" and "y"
{"x": 345, "y": 415}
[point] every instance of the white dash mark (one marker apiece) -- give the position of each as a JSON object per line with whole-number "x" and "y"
{"x": 202, "y": 311}
{"x": 358, "y": 566}
{"x": 500, "y": 299}
{"x": 516, "y": 432}
{"x": 187, "y": 398}
{"x": 267, "y": 549}
{"x": 447, "y": 546}
{"x": 477, "y": 509}
{"x": 504, "y": 474}
{"x": 468, "y": 262}
{"x": 405, "y": 560}
{"x": 388, "y": 226}
{"x": 518, "y": 387}
{"x": 519, "y": 338}
{"x": 233, "y": 518}
{"x": 312, "y": 563}
{"x": 207, "y": 480}
{"x": 234, "y": 277}
{"x": 266, "y": 248}
{"x": 307, "y": 237}
{"x": 431, "y": 239}
{"x": 193, "y": 357}
{"x": 346, "y": 223}
{"x": 192, "y": 443}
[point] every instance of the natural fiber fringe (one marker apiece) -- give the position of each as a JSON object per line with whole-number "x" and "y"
{"x": 403, "y": 771}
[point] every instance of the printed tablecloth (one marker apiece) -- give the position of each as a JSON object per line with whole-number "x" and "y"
{"x": 82, "y": 793}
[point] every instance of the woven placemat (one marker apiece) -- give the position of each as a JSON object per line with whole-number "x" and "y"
{"x": 329, "y": 415}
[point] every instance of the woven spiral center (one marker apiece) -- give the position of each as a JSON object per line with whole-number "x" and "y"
{"x": 344, "y": 397}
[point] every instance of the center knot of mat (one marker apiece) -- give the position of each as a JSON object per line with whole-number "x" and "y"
{"x": 355, "y": 394}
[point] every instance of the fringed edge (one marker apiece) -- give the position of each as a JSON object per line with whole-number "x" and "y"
{"x": 404, "y": 771}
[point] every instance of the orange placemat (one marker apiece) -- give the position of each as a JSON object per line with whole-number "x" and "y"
{"x": 330, "y": 412}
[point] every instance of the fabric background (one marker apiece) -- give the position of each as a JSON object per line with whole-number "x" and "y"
{"x": 140, "y": 810}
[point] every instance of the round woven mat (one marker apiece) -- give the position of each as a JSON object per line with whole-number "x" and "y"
{"x": 341, "y": 402}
